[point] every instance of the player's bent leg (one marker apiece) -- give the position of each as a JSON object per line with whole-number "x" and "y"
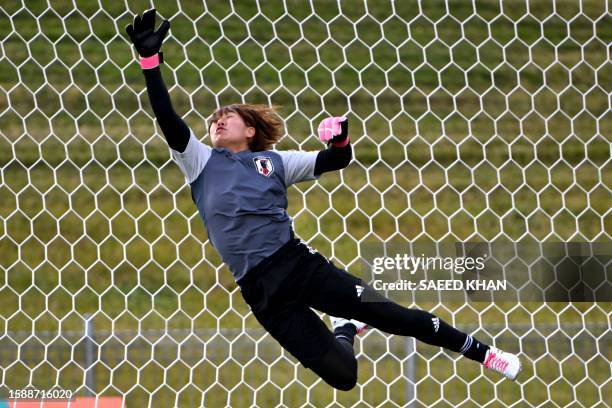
{"x": 380, "y": 312}
{"x": 300, "y": 331}
{"x": 338, "y": 366}
{"x": 338, "y": 293}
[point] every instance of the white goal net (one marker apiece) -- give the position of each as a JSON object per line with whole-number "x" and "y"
{"x": 470, "y": 121}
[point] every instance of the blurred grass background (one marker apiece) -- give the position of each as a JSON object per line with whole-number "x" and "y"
{"x": 469, "y": 122}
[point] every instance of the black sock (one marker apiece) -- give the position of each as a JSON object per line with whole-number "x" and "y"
{"x": 473, "y": 349}
{"x": 346, "y": 333}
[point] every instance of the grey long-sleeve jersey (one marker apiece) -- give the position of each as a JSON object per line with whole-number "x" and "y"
{"x": 242, "y": 198}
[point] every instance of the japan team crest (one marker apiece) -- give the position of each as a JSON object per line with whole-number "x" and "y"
{"x": 264, "y": 165}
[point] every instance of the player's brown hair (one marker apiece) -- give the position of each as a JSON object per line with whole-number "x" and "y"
{"x": 268, "y": 125}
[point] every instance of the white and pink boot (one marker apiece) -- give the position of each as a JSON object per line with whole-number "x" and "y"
{"x": 507, "y": 364}
{"x": 339, "y": 322}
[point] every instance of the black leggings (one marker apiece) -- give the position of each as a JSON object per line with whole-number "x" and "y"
{"x": 336, "y": 296}
{"x": 283, "y": 289}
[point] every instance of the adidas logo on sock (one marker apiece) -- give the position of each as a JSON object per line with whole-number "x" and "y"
{"x": 436, "y": 323}
{"x": 359, "y": 289}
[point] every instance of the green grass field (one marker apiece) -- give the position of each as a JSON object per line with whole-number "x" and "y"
{"x": 488, "y": 124}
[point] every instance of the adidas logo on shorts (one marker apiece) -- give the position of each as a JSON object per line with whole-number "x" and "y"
{"x": 436, "y": 323}
{"x": 359, "y": 289}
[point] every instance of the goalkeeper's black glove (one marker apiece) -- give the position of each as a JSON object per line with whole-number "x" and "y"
{"x": 341, "y": 139}
{"x": 146, "y": 40}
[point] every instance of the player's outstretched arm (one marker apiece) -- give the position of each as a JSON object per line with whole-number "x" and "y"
{"x": 334, "y": 132}
{"x": 302, "y": 166}
{"x": 148, "y": 43}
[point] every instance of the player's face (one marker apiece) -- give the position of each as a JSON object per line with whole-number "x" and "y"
{"x": 231, "y": 131}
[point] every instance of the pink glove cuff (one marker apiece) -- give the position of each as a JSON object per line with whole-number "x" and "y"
{"x": 149, "y": 62}
{"x": 342, "y": 143}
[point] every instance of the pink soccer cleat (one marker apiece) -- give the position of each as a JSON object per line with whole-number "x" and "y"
{"x": 507, "y": 364}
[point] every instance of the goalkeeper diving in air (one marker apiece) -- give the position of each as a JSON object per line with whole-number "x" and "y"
{"x": 240, "y": 189}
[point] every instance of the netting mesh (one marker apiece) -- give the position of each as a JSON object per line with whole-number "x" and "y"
{"x": 475, "y": 120}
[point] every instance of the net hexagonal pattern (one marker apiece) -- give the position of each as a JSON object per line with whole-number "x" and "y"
{"x": 475, "y": 120}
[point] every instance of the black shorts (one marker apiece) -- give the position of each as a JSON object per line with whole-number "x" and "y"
{"x": 281, "y": 289}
